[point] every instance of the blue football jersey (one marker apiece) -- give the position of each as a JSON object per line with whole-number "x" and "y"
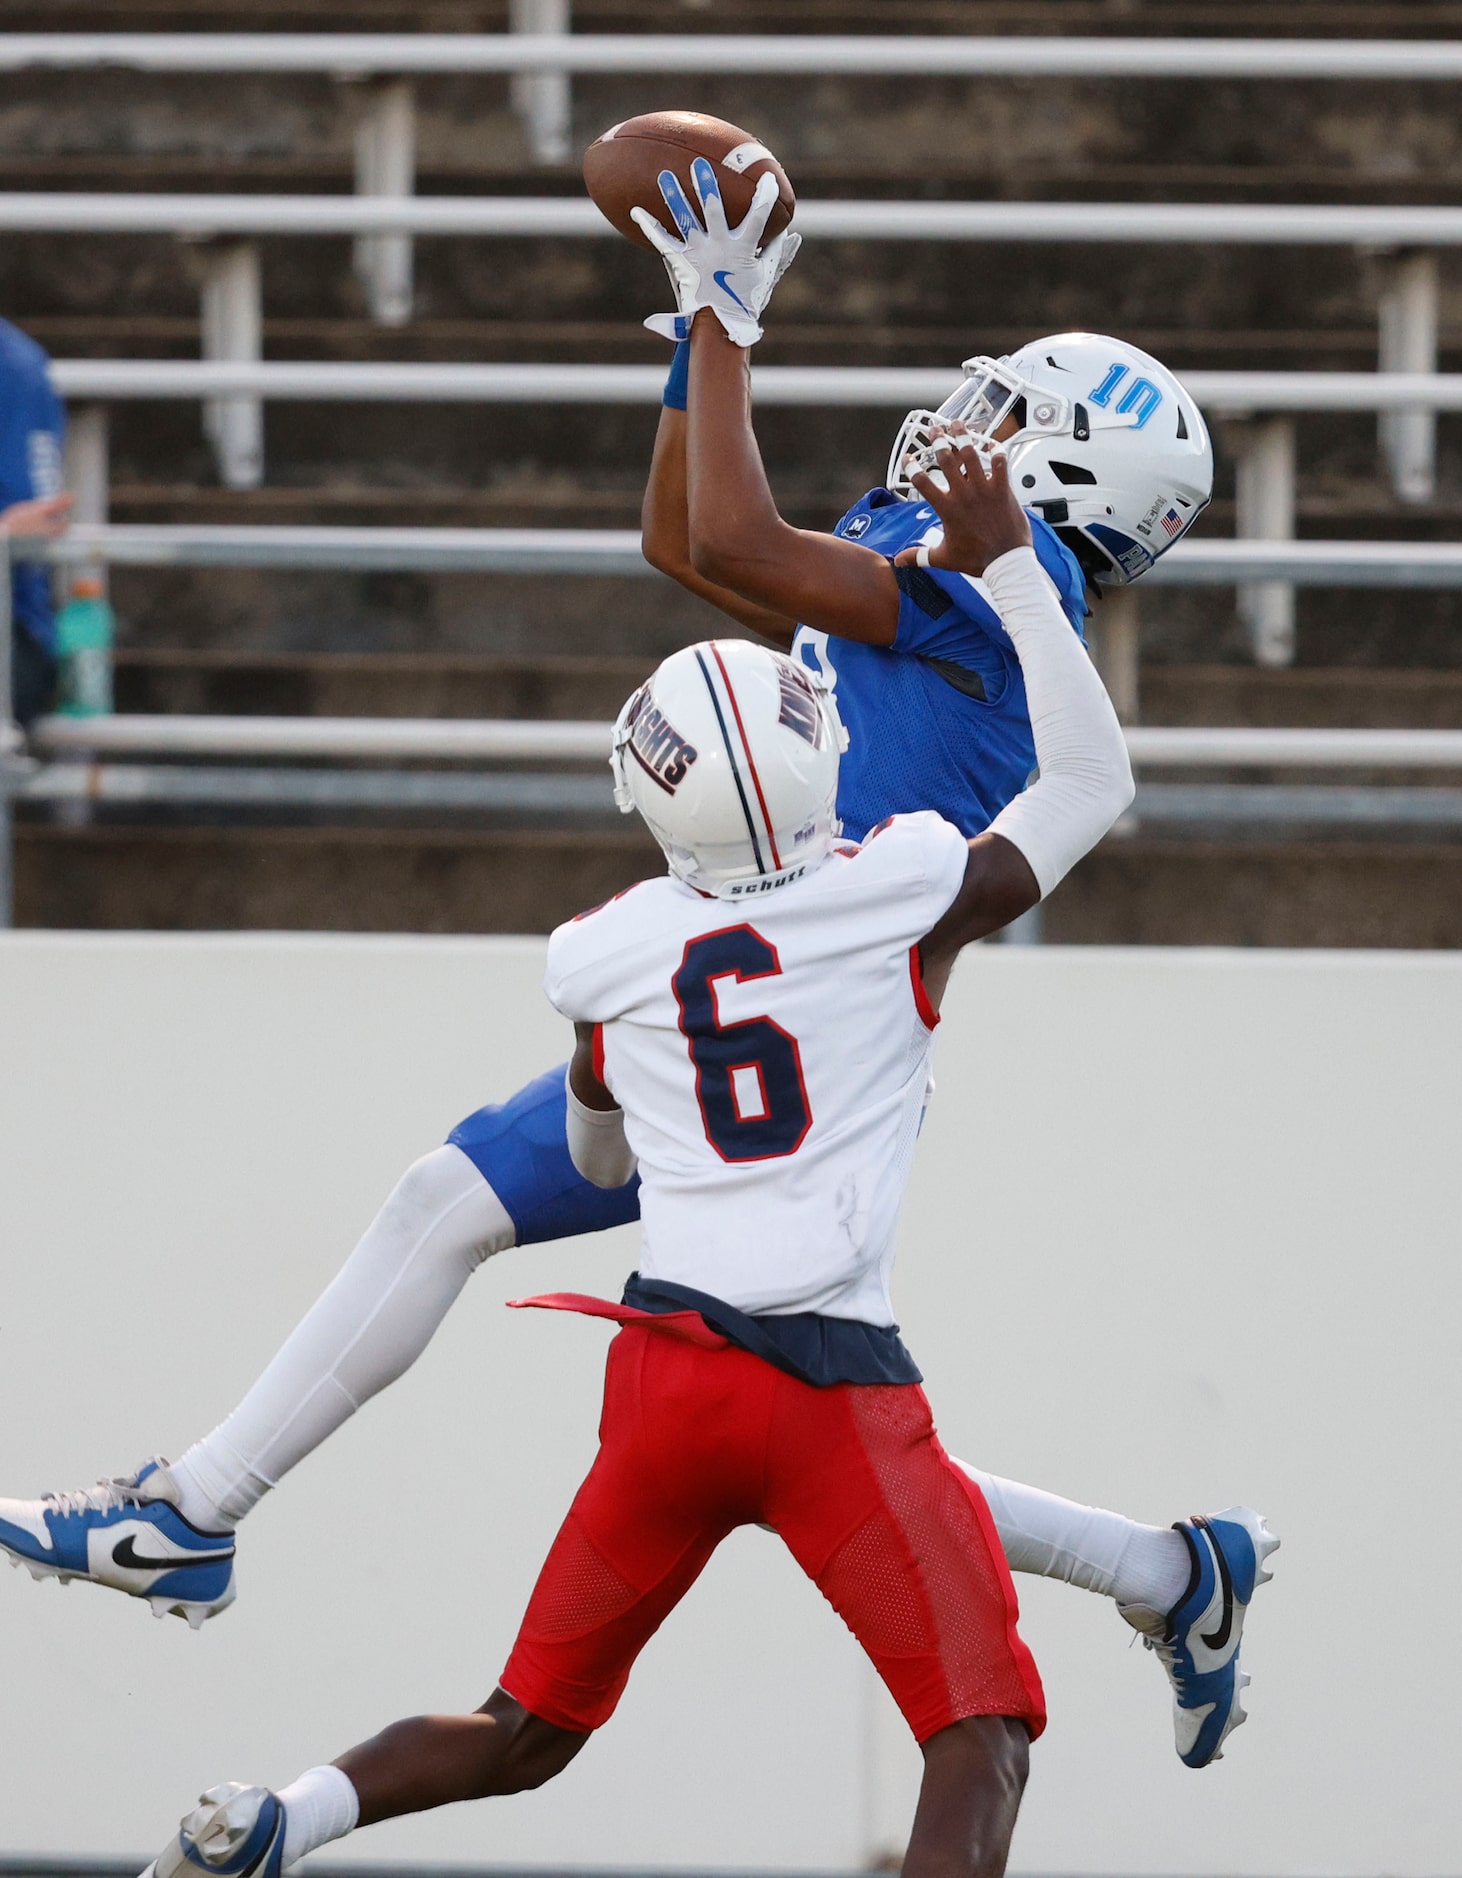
{"x": 32, "y": 425}
{"x": 938, "y": 720}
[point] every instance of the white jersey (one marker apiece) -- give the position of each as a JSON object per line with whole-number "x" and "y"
{"x": 771, "y": 1059}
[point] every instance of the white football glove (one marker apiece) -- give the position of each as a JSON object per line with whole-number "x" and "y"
{"x": 712, "y": 265}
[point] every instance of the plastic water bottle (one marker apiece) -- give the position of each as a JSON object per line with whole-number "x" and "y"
{"x": 86, "y": 630}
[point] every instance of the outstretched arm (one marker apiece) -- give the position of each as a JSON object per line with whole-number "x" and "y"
{"x": 1085, "y": 777}
{"x": 736, "y": 543}
{"x": 737, "y": 538}
{"x": 665, "y": 536}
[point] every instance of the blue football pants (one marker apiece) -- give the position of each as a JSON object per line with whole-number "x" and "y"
{"x": 520, "y": 1147}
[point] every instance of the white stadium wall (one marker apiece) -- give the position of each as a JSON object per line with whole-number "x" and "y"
{"x": 1184, "y": 1230}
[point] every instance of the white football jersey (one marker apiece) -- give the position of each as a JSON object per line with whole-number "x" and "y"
{"x": 771, "y": 1057}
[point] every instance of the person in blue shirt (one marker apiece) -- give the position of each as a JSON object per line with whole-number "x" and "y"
{"x": 1112, "y": 458}
{"x": 32, "y": 432}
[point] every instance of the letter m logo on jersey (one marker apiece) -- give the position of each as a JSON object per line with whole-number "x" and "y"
{"x": 1141, "y": 396}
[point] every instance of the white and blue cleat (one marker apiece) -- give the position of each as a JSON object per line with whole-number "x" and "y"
{"x": 127, "y": 1534}
{"x": 1197, "y": 1641}
{"x": 233, "y": 1832}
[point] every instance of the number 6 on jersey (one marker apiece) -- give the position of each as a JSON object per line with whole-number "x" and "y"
{"x": 748, "y": 1076}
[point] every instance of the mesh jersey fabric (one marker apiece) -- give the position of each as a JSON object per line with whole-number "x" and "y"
{"x": 695, "y": 1442}
{"x": 914, "y": 740}
{"x": 772, "y": 1062}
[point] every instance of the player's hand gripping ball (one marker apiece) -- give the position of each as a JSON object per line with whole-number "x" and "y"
{"x": 622, "y": 169}
{"x": 719, "y": 222}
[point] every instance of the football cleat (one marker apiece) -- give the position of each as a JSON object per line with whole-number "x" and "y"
{"x": 1197, "y": 1641}
{"x": 129, "y": 1534}
{"x": 233, "y": 1832}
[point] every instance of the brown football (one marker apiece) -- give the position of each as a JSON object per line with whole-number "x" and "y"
{"x": 621, "y": 168}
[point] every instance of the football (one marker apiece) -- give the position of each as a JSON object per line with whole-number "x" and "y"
{"x": 621, "y": 168}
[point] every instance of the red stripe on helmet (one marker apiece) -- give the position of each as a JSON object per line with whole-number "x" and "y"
{"x": 750, "y": 759}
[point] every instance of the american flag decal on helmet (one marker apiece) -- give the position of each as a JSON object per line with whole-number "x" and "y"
{"x": 1172, "y": 524}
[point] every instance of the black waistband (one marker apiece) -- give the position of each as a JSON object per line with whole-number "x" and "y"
{"x": 815, "y": 1349}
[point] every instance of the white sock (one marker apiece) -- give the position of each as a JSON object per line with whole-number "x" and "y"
{"x": 1084, "y": 1546}
{"x": 439, "y": 1224}
{"x": 320, "y": 1806}
{"x": 1154, "y": 1569}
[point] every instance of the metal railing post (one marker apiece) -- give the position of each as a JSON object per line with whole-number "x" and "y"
{"x": 543, "y": 100}
{"x": 9, "y": 741}
{"x": 233, "y": 331}
{"x": 1265, "y": 474}
{"x": 385, "y": 165}
{"x": 87, "y": 471}
{"x": 1410, "y": 311}
{"x": 1113, "y": 634}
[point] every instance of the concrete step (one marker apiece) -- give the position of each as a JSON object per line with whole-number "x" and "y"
{"x": 1397, "y": 18}
{"x": 970, "y": 287}
{"x": 1132, "y": 892}
{"x": 1192, "y": 892}
{"x": 344, "y": 684}
{"x": 1256, "y": 18}
{"x": 262, "y": 612}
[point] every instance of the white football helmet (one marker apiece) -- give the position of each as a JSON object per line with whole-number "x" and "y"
{"x": 731, "y": 756}
{"x": 1109, "y": 448}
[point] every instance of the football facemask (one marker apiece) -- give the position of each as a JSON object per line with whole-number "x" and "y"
{"x": 991, "y": 392}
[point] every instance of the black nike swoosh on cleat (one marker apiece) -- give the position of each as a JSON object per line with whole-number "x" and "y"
{"x": 124, "y": 1553}
{"x": 1219, "y": 1637}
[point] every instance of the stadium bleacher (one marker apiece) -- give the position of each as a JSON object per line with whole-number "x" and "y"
{"x": 410, "y": 643}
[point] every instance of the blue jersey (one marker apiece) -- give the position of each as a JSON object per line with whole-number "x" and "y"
{"x": 938, "y": 720}
{"x": 32, "y": 425}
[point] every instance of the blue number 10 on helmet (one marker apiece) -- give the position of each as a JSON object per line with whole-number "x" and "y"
{"x": 1102, "y": 441}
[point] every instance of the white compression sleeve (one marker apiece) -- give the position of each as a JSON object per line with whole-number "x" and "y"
{"x": 439, "y": 1224}
{"x": 597, "y": 1144}
{"x": 1084, "y": 1546}
{"x": 1085, "y": 777}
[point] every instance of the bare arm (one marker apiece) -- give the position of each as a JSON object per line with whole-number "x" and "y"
{"x": 739, "y": 541}
{"x": 583, "y": 1077}
{"x": 665, "y": 536}
{"x": 42, "y": 517}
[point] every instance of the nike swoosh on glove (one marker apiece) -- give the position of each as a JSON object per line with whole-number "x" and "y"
{"x": 712, "y": 265}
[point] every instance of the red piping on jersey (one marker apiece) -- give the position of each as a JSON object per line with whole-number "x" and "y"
{"x": 750, "y": 759}
{"x": 928, "y": 1016}
{"x": 598, "y": 1049}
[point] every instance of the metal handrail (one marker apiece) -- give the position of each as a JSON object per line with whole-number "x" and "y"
{"x": 200, "y": 216}
{"x": 616, "y": 551}
{"x": 366, "y": 54}
{"x": 405, "y": 739}
{"x": 896, "y": 386}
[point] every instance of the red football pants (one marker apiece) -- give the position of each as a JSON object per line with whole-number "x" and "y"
{"x": 698, "y": 1437}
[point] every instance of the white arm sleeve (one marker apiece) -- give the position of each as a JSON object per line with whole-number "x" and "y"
{"x": 597, "y": 1145}
{"x": 1085, "y": 777}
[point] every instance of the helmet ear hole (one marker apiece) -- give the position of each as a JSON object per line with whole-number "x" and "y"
{"x": 1072, "y": 473}
{"x": 1095, "y": 565}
